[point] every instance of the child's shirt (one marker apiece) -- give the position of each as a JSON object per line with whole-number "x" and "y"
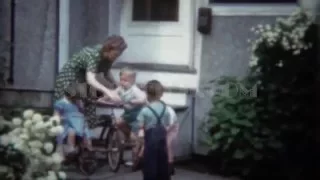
{"x": 173, "y": 119}
{"x": 126, "y": 95}
{"x": 147, "y": 118}
{"x": 68, "y": 109}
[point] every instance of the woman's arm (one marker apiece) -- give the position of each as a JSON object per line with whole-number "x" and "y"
{"x": 92, "y": 81}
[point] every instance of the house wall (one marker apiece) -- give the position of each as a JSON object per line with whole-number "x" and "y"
{"x": 225, "y": 53}
{"x": 35, "y": 52}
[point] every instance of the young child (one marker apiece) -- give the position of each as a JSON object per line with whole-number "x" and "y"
{"x": 133, "y": 99}
{"x": 154, "y": 121}
{"x": 69, "y": 108}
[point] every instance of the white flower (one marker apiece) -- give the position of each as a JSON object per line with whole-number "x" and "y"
{"x": 24, "y": 136}
{"x": 56, "y": 130}
{"x": 48, "y": 147}
{"x": 5, "y": 140}
{"x": 253, "y": 61}
{"x": 280, "y": 64}
{"x": 27, "y": 114}
{"x": 52, "y": 176}
{"x": 35, "y": 151}
{"x": 4, "y": 169}
{"x": 268, "y": 27}
{"x": 40, "y": 136}
{"x": 40, "y": 125}
{"x": 16, "y": 131}
{"x": 35, "y": 144}
{"x": 296, "y": 52}
{"x": 27, "y": 123}
{"x": 60, "y": 129}
{"x": 37, "y": 117}
{"x": 57, "y": 158}
{"x": 19, "y": 145}
{"x": 62, "y": 175}
{"x": 55, "y": 119}
{"x": 17, "y": 121}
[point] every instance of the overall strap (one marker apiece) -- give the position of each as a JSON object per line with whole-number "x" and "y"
{"x": 159, "y": 117}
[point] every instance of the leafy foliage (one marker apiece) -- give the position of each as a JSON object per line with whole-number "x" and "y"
{"x": 247, "y": 131}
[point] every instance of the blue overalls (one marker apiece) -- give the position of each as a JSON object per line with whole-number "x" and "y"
{"x": 155, "y": 166}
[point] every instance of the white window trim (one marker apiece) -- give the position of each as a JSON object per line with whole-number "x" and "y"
{"x": 247, "y": 9}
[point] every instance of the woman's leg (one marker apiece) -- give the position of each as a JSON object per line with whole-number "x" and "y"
{"x": 90, "y": 112}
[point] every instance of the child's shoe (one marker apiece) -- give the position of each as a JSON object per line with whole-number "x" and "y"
{"x": 71, "y": 150}
{"x": 171, "y": 169}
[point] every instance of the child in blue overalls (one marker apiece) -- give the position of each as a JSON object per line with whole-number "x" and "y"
{"x": 153, "y": 121}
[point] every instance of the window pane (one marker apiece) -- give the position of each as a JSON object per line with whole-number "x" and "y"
{"x": 155, "y": 10}
{"x": 253, "y": 1}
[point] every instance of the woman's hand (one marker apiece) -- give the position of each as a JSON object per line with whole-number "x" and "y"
{"x": 113, "y": 95}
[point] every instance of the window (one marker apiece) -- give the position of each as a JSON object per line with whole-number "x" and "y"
{"x": 253, "y": 1}
{"x": 155, "y": 10}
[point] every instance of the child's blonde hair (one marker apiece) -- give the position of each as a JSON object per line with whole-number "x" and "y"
{"x": 128, "y": 71}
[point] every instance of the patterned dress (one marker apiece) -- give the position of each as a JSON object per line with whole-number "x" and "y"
{"x": 74, "y": 72}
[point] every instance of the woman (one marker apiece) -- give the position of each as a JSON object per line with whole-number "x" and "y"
{"x": 83, "y": 68}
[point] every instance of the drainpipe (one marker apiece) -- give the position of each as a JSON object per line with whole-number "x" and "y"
{"x": 193, "y": 100}
{"x": 62, "y": 43}
{"x": 63, "y": 52}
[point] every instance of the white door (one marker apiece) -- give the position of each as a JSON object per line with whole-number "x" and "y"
{"x": 158, "y": 31}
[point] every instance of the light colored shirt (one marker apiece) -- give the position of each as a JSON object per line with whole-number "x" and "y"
{"x": 148, "y": 119}
{"x": 126, "y": 95}
{"x": 173, "y": 116}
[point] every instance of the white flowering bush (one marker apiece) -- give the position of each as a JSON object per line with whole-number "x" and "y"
{"x": 287, "y": 36}
{"x": 284, "y": 65}
{"x": 32, "y": 139}
{"x": 250, "y": 136}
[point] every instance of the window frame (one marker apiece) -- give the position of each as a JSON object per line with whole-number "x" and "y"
{"x": 213, "y": 1}
{"x": 252, "y": 9}
{"x": 174, "y": 20}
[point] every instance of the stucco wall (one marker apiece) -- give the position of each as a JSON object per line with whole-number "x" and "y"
{"x": 89, "y": 23}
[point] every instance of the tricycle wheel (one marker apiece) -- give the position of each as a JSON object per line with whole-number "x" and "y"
{"x": 115, "y": 150}
{"x": 86, "y": 163}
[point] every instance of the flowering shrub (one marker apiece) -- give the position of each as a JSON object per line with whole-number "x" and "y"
{"x": 247, "y": 132}
{"x": 32, "y": 139}
{"x": 287, "y": 35}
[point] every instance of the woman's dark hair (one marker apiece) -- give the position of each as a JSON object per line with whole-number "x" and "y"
{"x": 115, "y": 42}
{"x": 154, "y": 89}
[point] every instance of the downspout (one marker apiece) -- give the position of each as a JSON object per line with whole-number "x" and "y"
{"x": 64, "y": 6}
{"x": 10, "y": 79}
{"x": 193, "y": 100}
{"x": 62, "y": 42}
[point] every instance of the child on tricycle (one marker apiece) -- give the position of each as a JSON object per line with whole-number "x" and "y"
{"x": 69, "y": 108}
{"x": 133, "y": 100}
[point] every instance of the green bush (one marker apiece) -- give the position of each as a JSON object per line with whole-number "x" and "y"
{"x": 248, "y": 131}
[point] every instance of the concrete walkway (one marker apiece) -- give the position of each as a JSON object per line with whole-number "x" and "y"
{"x": 125, "y": 174}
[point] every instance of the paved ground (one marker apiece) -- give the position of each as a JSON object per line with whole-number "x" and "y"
{"x": 125, "y": 174}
